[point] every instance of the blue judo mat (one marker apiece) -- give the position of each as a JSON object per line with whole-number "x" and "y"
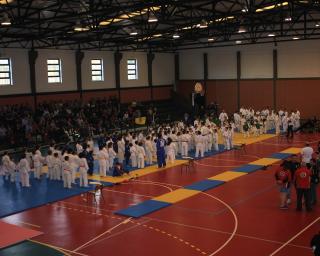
{"x": 14, "y": 198}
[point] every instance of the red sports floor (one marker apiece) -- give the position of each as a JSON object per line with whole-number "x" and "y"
{"x": 240, "y": 217}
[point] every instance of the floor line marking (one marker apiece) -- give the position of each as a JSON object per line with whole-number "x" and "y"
{"x": 63, "y": 250}
{"x": 126, "y": 221}
{"x": 294, "y": 237}
{"x": 26, "y": 223}
{"x": 224, "y": 232}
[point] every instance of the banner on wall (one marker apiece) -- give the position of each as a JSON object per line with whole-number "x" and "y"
{"x": 140, "y": 120}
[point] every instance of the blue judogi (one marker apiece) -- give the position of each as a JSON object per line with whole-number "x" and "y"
{"x": 161, "y": 156}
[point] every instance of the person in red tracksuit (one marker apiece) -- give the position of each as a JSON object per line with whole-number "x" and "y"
{"x": 283, "y": 178}
{"x": 302, "y": 179}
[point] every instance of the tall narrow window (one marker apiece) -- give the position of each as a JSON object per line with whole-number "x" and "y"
{"x": 5, "y": 72}
{"x": 132, "y": 69}
{"x": 54, "y": 71}
{"x": 97, "y": 70}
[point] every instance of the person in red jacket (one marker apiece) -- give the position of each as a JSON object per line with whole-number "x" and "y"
{"x": 283, "y": 179}
{"x": 302, "y": 179}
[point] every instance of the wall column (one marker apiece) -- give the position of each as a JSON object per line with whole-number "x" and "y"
{"x": 238, "y": 78}
{"x": 150, "y": 58}
{"x": 275, "y": 77}
{"x": 32, "y": 56}
{"x": 117, "y": 60}
{"x": 176, "y": 70}
{"x": 79, "y": 57}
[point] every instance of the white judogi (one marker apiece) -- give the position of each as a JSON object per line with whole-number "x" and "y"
{"x": 149, "y": 149}
{"x": 49, "y": 161}
{"x": 141, "y": 155}
{"x": 57, "y": 166}
{"x": 112, "y": 156}
{"x": 67, "y": 174}
{"x": 103, "y": 159}
{"x": 79, "y": 148}
{"x": 171, "y": 156}
{"x": 215, "y": 141}
{"x": 24, "y": 169}
{"x": 184, "y": 145}
{"x": 133, "y": 156}
{"x": 74, "y": 163}
{"x": 199, "y": 140}
{"x": 121, "y": 149}
{"x": 37, "y": 165}
{"x": 83, "y": 168}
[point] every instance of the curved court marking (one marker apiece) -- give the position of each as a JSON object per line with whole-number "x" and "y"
{"x": 294, "y": 237}
{"x": 234, "y": 217}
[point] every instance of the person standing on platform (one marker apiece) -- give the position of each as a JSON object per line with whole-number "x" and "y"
{"x": 66, "y": 172}
{"x": 102, "y": 158}
{"x": 302, "y": 179}
{"x": 161, "y": 157}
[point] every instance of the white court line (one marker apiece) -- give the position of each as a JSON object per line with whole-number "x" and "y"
{"x": 108, "y": 231}
{"x": 294, "y": 237}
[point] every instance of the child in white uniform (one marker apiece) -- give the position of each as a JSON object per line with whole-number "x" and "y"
{"x": 83, "y": 169}
{"x": 141, "y": 155}
{"x": 24, "y": 169}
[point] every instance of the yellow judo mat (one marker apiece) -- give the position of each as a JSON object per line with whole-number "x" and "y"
{"x": 176, "y": 196}
{"x": 265, "y": 161}
{"x": 239, "y": 139}
{"x": 292, "y": 151}
{"x": 135, "y": 173}
{"x": 227, "y": 176}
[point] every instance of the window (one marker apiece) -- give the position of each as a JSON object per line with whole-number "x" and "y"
{"x": 5, "y": 72}
{"x": 97, "y": 70}
{"x": 54, "y": 71}
{"x": 132, "y": 69}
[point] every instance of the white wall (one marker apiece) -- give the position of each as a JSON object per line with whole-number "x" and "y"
{"x": 108, "y": 65}
{"x": 20, "y": 72}
{"x": 191, "y": 64}
{"x": 142, "y": 80}
{"x": 222, "y": 63}
{"x": 163, "y": 69}
{"x": 299, "y": 59}
{"x": 257, "y": 61}
{"x": 69, "y": 82}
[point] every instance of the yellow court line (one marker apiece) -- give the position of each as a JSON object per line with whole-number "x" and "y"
{"x": 28, "y": 224}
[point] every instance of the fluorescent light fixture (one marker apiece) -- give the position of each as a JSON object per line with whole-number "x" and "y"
{"x": 203, "y": 24}
{"x": 271, "y": 34}
{"x": 176, "y": 36}
{"x": 129, "y": 15}
{"x": 5, "y": 1}
{"x": 152, "y": 18}
{"x": 242, "y": 29}
{"x": 80, "y": 28}
{"x": 288, "y": 18}
{"x": 133, "y": 33}
{"x": 270, "y": 7}
{"x": 295, "y": 38}
{"x": 238, "y": 42}
{"x": 317, "y": 24}
{"x": 245, "y": 9}
{"x": 211, "y": 39}
{"x": 5, "y": 20}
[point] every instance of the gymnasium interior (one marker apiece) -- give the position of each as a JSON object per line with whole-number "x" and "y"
{"x": 74, "y": 71}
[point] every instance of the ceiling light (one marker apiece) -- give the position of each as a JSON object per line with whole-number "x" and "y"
{"x": 203, "y": 24}
{"x": 238, "y": 42}
{"x": 295, "y": 38}
{"x": 270, "y": 7}
{"x": 288, "y": 19}
{"x": 152, "y": 18}
{"x": 5, "y": 21}
{"x": 317, "y": 24}
{"x": 271, "y": 34}
{"x": 176, "y": 36}
{"x": 242, "y": 29}
{"x": 133, "y": 33}
{"x": 211, "y": 39}
{"x": 245, "y": 9}
{"x": 5, "y": 1}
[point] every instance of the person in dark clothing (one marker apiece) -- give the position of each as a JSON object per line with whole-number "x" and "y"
{"x": 315, "y": 244}
{"x": 290, "y": 129}
{"x": 127, "y": 152}
{"x": 90, "y": 159}
{"x": 314, "y": 181}
{"x": 118, "y": 170}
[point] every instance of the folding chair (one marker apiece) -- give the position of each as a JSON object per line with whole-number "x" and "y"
{"x": 189, "y": 165}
